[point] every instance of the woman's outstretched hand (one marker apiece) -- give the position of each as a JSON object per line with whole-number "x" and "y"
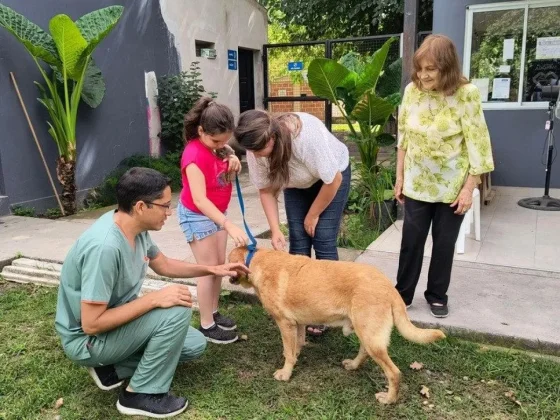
{"x": 278, "y": 240}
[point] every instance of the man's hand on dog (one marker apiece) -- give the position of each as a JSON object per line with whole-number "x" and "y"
{"x": 230, "y": 269}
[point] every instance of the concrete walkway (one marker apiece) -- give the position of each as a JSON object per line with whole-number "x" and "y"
{"x": 511, "y": 235}
{"x": 51, "y": 239}
{"x": 510, "y": 304}
{"x": 506, "y": 304}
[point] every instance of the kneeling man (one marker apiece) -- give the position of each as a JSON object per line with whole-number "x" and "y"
{"x": 102, "y": 322}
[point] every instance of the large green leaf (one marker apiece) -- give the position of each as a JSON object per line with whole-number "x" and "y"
{"x": 57, "y": 114}
{"x": 95, "y": 26}
{"x": 324, "y": 76}
{"x": 70, "y": 44}
{"x": 349, "y": 82}
{"x": 394, "y": 98}
{"x": 94, "y": 86}
{"x": 347, "y": 99}
{"x": 368, "y": 78}
{"x": 36, "y": 41}
{"x": 372, "y": 110}
{"x": 390, "y": 81}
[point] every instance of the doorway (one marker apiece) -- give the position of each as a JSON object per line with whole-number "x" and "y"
{"x": 246, "y": 80}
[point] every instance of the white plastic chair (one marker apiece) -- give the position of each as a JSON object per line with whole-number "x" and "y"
{"x": 473, "y": 215}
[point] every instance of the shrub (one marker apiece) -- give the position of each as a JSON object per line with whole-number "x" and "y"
{"x": 176, "y": 96}
{"x": 105, "y": 194}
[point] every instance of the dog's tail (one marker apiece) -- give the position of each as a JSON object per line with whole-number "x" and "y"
{"x": 408, "y": 330}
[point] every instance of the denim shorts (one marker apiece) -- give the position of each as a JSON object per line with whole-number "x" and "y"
{"x": 195, "y": 225}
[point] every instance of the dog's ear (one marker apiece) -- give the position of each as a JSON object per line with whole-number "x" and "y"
{"x": 237, "y": 255}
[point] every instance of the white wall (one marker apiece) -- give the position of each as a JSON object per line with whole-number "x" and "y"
{"x": 229, "y": 24}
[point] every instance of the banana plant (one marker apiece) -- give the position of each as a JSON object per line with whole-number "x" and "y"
{"x": 367, "y": 95}
{"x": 67, "y": 50}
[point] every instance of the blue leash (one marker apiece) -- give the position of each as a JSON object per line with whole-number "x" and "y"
{"x": 252, "y": 247}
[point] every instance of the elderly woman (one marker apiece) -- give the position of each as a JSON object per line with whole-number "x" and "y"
{"x": 443, "y": 148}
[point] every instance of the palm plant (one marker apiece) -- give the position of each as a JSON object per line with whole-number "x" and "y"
{"x": 68, "y": 51}
{"x": 367, "y": 95}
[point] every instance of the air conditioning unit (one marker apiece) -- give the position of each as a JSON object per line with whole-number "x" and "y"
{"x": 209, "y": 53}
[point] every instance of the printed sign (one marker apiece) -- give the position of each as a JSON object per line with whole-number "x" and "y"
{"x": 232, "y": 64}
{"x": 295, "y": 65}
{"x": 500, "y": 88}
{"x": 232, "y": 55}
{"x": 547, "y": 48}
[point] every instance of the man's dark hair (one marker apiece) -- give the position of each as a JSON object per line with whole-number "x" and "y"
{"x": 140, "y": 184}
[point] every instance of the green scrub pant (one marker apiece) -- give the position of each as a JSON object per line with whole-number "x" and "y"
{"x": 148, "y": 349}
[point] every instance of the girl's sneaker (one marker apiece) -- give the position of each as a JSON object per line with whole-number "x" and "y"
{"x": 224, "y": 322}
{"x": 215, "y": 334}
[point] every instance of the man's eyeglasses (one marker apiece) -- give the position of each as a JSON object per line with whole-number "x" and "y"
{"x": 165, "y": 206}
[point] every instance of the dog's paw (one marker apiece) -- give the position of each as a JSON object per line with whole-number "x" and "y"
{"x": 347, "y": 330}
{"x": 349, "y": 364}
{"x": 383, "y": 398}
{"x": 281, "y": 375}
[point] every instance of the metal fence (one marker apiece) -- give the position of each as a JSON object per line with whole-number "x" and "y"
{"x": 285, "y": 75}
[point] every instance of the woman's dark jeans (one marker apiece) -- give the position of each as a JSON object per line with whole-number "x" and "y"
{"x": 298, "y": 201}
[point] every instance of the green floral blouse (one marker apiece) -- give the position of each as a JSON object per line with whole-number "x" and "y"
{"x": 445, "y": 139}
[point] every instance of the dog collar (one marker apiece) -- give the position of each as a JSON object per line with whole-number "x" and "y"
{"x": 251, "y": 248}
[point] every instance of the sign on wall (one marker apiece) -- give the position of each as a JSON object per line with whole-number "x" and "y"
{"x": 232, "y": 59}
{"x": 295, "y": 65}
{"x": 548, "y": 47}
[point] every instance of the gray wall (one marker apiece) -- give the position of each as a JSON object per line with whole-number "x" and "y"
{"x": 518, "y": 136}
{"x": 116, "y": 129}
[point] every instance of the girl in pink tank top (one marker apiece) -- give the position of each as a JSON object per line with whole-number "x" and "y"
{"x": 207, "y": 166}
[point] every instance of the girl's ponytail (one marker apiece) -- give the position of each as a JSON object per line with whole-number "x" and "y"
{"x": 214, "y": 118}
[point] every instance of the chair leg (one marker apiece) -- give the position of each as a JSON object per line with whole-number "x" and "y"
{"x": 468, "y": 220}
{"x": 476, "y": 214}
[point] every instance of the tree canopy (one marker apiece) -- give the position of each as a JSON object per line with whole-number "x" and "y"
{"x": 324, "y": 19}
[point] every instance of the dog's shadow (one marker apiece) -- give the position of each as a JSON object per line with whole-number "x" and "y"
{"x": 257, "y": 357}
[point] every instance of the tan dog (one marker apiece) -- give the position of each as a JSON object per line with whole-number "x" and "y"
{"x": 298, "y": 291}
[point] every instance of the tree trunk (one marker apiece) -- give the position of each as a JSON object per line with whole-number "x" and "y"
{"x": 66, "y": 173}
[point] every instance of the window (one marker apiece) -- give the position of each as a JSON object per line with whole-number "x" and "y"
{"x": 512, "y": 52}
{"x": 200, "y": 45}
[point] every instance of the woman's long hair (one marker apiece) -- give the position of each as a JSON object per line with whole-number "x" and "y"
{"x": 442, "y": 52}
{"x": 253, "y": 132}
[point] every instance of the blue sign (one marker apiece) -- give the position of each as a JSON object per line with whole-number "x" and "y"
{"x": 232, "y": 64}
{"x": 295, "y": 65}
{"x": 232, "y": 55}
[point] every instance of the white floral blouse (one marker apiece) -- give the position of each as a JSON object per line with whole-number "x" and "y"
{"x": 445, "y": 139}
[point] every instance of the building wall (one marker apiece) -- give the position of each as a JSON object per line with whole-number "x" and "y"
{"x": 116, "y": 129}
{"x": 286, "y": 87}
{"x": 229, "y": 25}
{"x": 517, "y": 135}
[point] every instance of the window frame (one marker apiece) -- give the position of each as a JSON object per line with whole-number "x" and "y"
{"x": 524, "y": 5}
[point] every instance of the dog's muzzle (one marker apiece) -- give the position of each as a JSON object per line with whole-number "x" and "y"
{"x": 234, "y": 280}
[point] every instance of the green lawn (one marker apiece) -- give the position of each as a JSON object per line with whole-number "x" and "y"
{"x": 466, "y": 380}
{"x": 344, "y": 127}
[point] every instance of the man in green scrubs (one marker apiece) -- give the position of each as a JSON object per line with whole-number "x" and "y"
{"x": 105, "y": 326}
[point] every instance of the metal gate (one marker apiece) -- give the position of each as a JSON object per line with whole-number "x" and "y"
{"x": 285, "y": 75}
